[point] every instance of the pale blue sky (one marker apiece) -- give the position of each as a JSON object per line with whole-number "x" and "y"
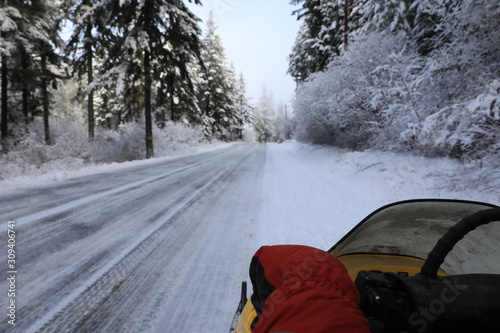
{"x": 258, "y": 36}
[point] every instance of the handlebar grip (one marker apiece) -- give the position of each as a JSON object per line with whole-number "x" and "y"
{"x": 446, "y": 243}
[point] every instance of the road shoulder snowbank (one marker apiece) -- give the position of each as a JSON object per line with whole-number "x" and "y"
{"x": 314, "y": 194}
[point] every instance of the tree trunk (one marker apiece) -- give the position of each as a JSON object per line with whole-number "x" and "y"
{"x": 147, "y": 84}
{"x": 170, "y": 91}
{"x": 45, "y": 100}
{"x": 172, "y": 106}
{"x": 25, "y": 90}
{"x": 90, "y": 74}
{"x": 4, "y": 94}
{"x": 346, "y": 23}
{"x": 105, "y": 102}
{"x": 147, "y": 105}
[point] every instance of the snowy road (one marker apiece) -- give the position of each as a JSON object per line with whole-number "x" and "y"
{"x": 151, "y": 248}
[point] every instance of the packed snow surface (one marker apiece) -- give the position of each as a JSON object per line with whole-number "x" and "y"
{"x": 163, "y": 245}
{"x": 313, "y": 195}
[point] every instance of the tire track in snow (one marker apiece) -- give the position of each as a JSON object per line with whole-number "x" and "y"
{"x": 48, "y": 213}
{"x": 86, "y": 307}
{"x": 55, "y": 231}
{"x": 25, "y": 202}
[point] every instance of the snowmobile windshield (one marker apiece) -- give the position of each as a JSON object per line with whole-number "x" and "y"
{"x": 412, "y": 228}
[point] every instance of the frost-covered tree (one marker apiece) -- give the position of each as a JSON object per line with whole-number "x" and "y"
{"x": 235, "y": 120}
{"x": 218, "y": 96}
{"x": 155, "y": 40}
{"x": 10, "y": 15}
{"x": 320, "y": 37}
{"x": 243, "y": 108}
{"x": 30, "y": 37}
{"x": 459, "y": 83}
{"x": 22, "y": 76}
{"x": 420, "y": 75}
{"x": 182, "y": 99}
{"x": 299, "y": 62}
{"x": 46, "y": 20}
{"x": 18, "y": 74}
{"x": 363, "y": 98}
{"x": 387, "y": 15}
{"x": 284, "y": 122}
{"x": 265, "y": 117}
{"x": 427, "y": 24}
{"x": 91, "y": 35}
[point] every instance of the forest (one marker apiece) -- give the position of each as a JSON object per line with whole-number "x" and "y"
{"x": 416, "y": 76}
{"x": 117, "y": 80}
{"x": 112, "y": 80}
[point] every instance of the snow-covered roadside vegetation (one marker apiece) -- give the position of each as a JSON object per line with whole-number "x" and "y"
{"x": 73, "y": 150}
{"x": 419, "y": 76}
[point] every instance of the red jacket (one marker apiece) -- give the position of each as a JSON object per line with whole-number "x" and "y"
{"x": 301, "y": 289}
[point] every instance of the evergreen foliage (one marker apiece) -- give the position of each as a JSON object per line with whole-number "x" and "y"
{"x": 89, "y": 21}
{"x": 221, "y": 94}
{"x": 320, "y": 37}
{"x": 265, "y": 118}
{"x": 419, "y": 75}
{"x": 125, "y": 61}
{"x": 29, "y": 39}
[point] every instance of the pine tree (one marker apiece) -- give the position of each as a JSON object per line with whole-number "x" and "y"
{"x": 30, "y": 36}
{"x": 321, "y": 36}
{"x": 23, "y": 78}
{"x": 88, "y": 18}
{"x": 182, "y": 102}
{"x": 314, "y": 55}
{"x": 387, "y": 15}
{"x": 218, "y": 88}
{"x": 235, "y": 112}
{"x": 243, "y": 108}
{"x": 46, "y": 20}
{"x": 265, "y": 116}
{"x": 10, "y": 18}
{"x": 429, "y": 15}
{"x": 301, "y": 64}
{"x": 154, "y": 41}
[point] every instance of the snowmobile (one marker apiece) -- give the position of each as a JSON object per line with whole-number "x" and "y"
{"x": 427, "y": 265}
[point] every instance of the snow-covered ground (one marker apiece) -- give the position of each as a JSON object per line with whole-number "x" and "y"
{"x": 162, "y": 245}
{"x": 313, "y": 194}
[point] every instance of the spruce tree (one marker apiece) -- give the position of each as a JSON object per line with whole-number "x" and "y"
{"x": 265, "y": 117}
{"x": 154, "y": 42}
{"x": 218, "y": 89}
{"x": 89, "y": 20}
{"x": 46, "y": 21}
{"x": 387, "y": 15}
{"x": 4, "y": 91}
{"x": 24, "y": 77}
{"x": 243, "y": 108}
{"x": 300, "y": 64}
{"x": 308, "y": 55}
{"x": 10, "y": 17}
{"x": 321, "y": 36}
{"x": 30, "y": 36}
{"x": 428, "y": 22}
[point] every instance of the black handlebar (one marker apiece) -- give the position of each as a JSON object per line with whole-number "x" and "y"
{"x": 446, "y": 243}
